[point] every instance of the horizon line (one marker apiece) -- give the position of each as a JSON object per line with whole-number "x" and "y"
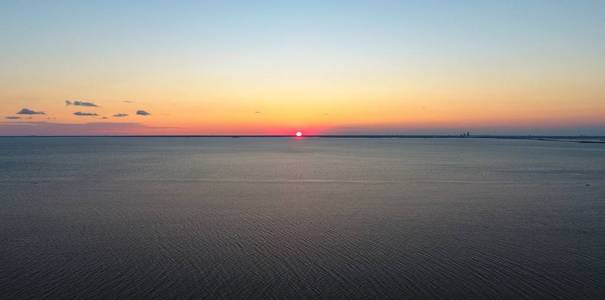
{"x": 512, "y": 136}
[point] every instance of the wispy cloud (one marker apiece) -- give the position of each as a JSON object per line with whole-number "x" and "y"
{"x": 85, "y": 114}
{"x": 143, "y": 113}
{"x": 27, "y": 111}
{"x": 80, "y": 103}
{"x": 13, "y": 118}
{"x": 120, "y": 115}
{"x": 128, "y": 101}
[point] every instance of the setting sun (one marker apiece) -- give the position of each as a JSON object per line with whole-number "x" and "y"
{"x": 451, "y": 149}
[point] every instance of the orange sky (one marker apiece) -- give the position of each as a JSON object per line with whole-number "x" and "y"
{"x": 333, "y": 69}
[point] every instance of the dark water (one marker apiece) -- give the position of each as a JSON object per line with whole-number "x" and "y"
{"x": 310, "y": 218}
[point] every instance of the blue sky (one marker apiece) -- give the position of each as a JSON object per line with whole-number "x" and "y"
{"x": 104, "y": 50}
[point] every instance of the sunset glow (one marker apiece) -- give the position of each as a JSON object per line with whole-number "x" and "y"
{"x": 254, "y": 149}
{"x": 335, "y": 68}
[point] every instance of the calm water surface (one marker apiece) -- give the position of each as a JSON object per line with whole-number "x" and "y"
{"x": 308, "y": 218}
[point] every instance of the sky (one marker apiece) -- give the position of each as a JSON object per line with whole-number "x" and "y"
{"x": 321, "y": 67}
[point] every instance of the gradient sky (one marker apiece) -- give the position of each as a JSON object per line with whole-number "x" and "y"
{"x": 274, "y": 67}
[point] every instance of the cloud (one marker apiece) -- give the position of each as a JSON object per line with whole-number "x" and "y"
{"x": 27, "y": 111}
{"x": 85, "y": 114}
{"x": 128, "y": 101}
{"x": 120, "y": 115}
{"x": 143, "y": 113}
{"x": 12, "y": 118}
{"x": 80, "y": 103}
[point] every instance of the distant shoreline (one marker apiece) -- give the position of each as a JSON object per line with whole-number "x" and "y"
{"x": 553, "y": 138}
